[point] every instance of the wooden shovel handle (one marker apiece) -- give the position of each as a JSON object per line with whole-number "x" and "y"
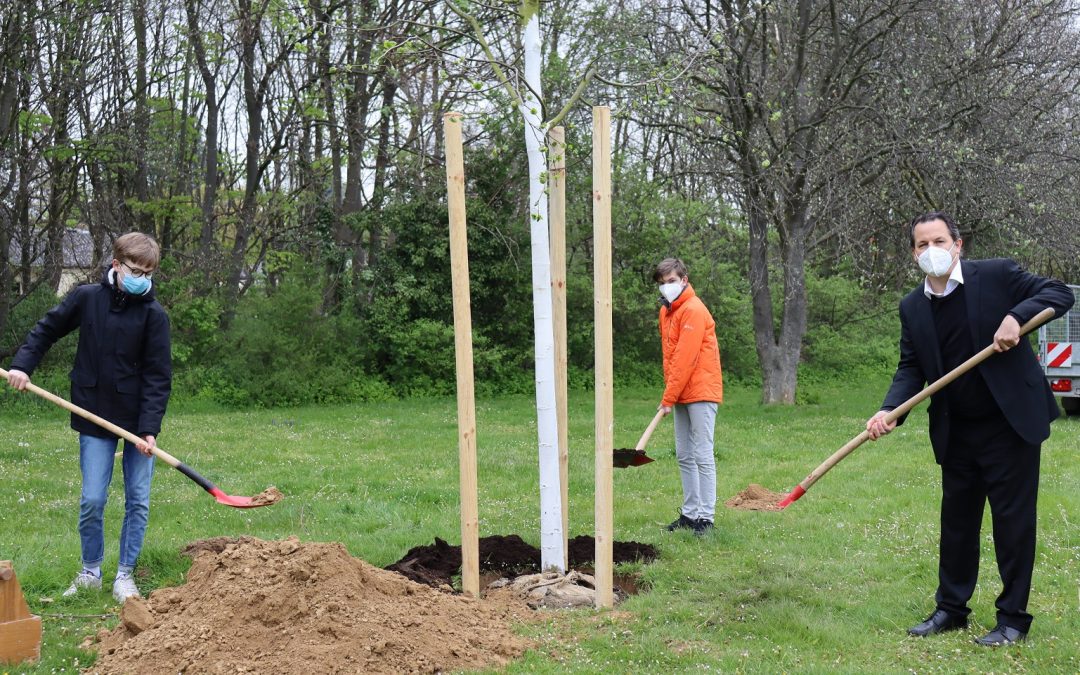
{"x": 931, "y": 389}
{"x": 100, "y": 421}
{"x": 648, "y": 430}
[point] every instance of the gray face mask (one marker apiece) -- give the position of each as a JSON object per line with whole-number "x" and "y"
{"x": 936, "y": 261}
{"x": 672, "y": 291}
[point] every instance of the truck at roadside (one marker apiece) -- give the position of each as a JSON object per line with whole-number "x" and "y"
{"x": 1059, "y": 354}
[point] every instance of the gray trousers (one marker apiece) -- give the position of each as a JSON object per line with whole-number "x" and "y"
{"x": 694, "y": 424}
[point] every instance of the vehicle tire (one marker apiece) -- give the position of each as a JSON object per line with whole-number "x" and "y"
{"x": 1071, "y": 405}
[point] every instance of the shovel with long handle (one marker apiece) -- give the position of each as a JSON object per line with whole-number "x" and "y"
{"x": 849, "y": 447}
{"x": 221, "y": 497}
{"x": 624, "y": 457}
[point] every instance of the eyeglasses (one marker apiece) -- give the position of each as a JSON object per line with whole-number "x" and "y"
{"x": 136, "y": 272}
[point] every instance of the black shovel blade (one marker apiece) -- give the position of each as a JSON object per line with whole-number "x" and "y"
{"x": 624, "y": 457}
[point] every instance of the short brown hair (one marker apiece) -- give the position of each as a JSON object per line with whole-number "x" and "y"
{"x": 138, "y": 248}
{"x": 667, "y": 266}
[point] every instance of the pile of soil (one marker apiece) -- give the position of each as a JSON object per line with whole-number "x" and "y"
{"x": 755, "y": 498}
{"x": 507, "y": 556}
{"x": 250, "y": 605}
{"x": 270, "y": 495}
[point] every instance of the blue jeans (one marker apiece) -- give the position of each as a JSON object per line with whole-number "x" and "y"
{"x": 96, "y": 462}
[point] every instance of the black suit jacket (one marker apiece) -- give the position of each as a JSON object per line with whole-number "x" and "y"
{"x": 992, "y": 289}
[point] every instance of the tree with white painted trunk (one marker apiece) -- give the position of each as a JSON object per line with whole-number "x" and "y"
{"x": 529, "y": 99}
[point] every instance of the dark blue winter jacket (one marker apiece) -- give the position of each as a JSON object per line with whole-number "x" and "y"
{"x": 123, "y": 366}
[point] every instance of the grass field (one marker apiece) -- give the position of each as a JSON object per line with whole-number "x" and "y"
{"x": 828, "y": 585}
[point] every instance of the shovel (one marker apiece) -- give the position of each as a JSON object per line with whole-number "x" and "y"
{"x": 268, "y": 497}
{"x": 906, "y": 406}
{"x": 624, "y": 457}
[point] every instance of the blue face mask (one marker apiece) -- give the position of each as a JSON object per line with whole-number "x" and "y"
{"x": 136, "y": 286}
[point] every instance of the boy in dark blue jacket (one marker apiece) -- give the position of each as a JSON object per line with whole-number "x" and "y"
{"x": 123, "y": 373}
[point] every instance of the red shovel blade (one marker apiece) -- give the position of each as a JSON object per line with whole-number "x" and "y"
{"x": 794, "y": 496}
{"x": 267, "y": 498}
{"x": 623, "y": 458}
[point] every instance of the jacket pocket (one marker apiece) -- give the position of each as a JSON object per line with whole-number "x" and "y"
{"x": 82, "y": 378}
{"x": 128, "y": 384}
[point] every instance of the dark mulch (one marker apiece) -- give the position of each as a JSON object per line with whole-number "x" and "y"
{"x": 509, "y": 556}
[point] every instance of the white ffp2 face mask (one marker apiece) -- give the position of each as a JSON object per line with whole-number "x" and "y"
{"x": 936, "y": 261}
{"x": 671, "y": 291}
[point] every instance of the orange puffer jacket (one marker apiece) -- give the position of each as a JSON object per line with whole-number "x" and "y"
{"x": 691, "y": 355}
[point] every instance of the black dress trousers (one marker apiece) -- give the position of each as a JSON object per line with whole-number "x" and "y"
{"x": 987, "y": 460}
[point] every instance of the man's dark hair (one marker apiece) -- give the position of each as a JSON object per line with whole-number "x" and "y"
{"x": 666, "y": 267}
{"x": 954, "y": 230}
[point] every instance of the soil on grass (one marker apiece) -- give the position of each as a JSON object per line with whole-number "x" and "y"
{"x": 755, "y": 498}
{"x": 270, "y": 495}
{"x": 250, "y": 605}
{"x": 506, "y": 556}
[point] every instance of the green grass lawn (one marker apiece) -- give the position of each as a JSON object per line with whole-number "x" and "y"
{"x": 828, "y": 585}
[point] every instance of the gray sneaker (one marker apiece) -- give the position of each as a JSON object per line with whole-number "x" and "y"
{"x": 83, "y": 579}
{"x": 123, "y": 588}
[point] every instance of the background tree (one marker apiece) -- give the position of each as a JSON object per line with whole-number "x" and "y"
{"x": 826, "y": 123}
{"x": 290, "y": 164}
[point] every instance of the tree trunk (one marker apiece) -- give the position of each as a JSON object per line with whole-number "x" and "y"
{"x": 13, "y": 57}
{"x": 141, "y": 127}
{"x": 326, "y": 80}
{"x": 250, "y": 20}
{"x": 357, "y": 102}
{"x": 382, "y": 161}
{"x": 551, "y": 537}
{"x": 22, "y": 206}
{"x": 181, "y": 180}
{"x": 64, "y": 77}
{"x": 210, "y": 144}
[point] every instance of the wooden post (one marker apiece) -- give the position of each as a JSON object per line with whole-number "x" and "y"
{"x": 557, "y": 219}
{"x": 20, "y": 631}
{"x": 601, "y": 148}
{"x": 466, "y": 404}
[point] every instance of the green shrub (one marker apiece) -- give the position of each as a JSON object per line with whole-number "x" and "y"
{"x": 52, "y": 373}
{"x": 194, "y": 316}
{"x": 851, "y": 332}
{"x": 21, "y": 321}
{"x": 281, "y": 351}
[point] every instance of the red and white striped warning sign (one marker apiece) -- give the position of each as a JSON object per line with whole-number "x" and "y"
{"x": 1059, "y": 354}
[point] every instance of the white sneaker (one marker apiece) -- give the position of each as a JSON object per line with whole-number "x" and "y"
{"x": 123, "y": 588}
{"x": 83, "y": 579}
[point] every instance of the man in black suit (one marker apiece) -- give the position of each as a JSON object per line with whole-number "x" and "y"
{"x": 987, "y": 426}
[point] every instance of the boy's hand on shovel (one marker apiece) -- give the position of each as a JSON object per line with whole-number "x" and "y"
{"x": 146, "y": 446}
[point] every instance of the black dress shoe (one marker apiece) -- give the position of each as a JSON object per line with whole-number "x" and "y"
{"x": 938, "y": 622}
{"x": 1002, "y": 636}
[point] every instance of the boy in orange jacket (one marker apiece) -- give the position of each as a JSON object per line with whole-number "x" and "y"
{"x": 693, "y": 389}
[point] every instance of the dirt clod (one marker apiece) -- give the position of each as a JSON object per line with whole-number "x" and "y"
{"x": 270, "y": 495}
{"x": 136, "y": 616}
{"x": 250, "y": 605}
{"x": 755, "y": 498}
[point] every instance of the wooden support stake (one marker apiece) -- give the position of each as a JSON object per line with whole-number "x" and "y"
{"x": 466, "y": 404}
{"x": 557, "y": 220}
{"x": 20, "y": 631}
{"x": 601, "y": 148}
